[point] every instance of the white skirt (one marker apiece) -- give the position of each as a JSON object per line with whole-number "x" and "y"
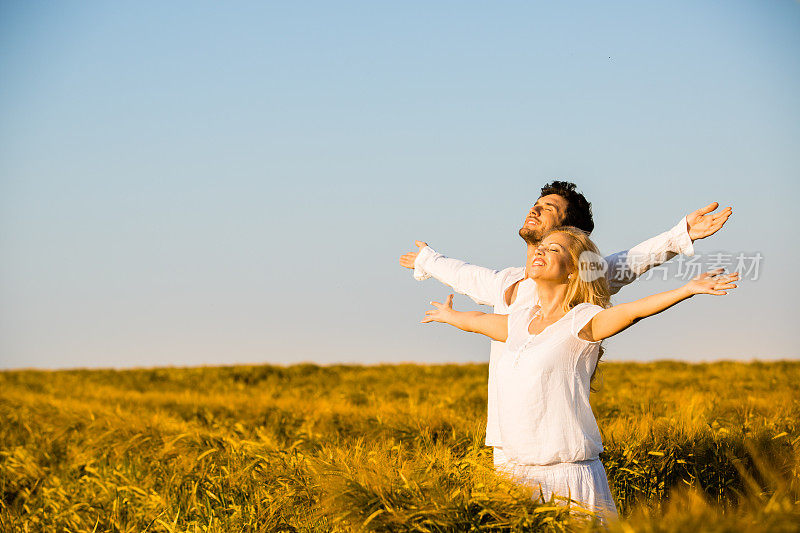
{"x": 584, "y": 482}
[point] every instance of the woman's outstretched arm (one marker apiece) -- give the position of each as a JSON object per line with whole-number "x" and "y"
{"x": 491, "y": 325}
{"x": 615, "y": 319}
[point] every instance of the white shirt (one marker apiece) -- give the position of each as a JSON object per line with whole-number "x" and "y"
{"x": 487, "y": 286}
{"x": 543, "y": 390}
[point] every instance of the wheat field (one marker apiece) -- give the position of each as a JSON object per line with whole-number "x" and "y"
{"x": 703, "y": 447}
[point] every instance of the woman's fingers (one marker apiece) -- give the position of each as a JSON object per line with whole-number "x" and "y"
{"x": 447, "y": 303}
{"x": 710, "y": 275}
{"x": 432, "y": 315}
{"x": 727, "y": 279}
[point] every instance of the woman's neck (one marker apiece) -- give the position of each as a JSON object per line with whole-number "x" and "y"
{"x": 551, "y": 298}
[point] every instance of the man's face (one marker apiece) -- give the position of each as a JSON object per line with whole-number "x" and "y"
{"x": 547, "y": 213}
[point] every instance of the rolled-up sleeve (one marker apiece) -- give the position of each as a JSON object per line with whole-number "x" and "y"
{"x": 420, "y": 274}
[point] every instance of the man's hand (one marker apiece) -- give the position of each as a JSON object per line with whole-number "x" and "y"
{"x": 407, "y": 260}
{"x": 703, "y": 222}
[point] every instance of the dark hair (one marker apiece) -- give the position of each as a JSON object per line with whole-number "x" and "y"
{"x": 579, "y": 210}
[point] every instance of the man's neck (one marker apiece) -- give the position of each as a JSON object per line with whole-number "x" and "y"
{"x": 529, "y": 257}
{"x": 511, "y": 293}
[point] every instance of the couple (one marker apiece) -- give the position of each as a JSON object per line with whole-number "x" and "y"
{"x": 549, "y": 320}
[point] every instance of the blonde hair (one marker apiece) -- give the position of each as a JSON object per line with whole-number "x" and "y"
{"x": 584, "y": 287}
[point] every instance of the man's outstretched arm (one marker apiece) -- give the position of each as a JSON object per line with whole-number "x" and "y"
{"x": 624, "y": 267}
{"x": 481, "y": 284}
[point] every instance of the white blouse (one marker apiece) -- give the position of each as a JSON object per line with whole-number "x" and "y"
{"x": 543, "y": 390}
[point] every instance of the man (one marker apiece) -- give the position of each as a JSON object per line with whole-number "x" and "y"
{"x": 559, "y": 204}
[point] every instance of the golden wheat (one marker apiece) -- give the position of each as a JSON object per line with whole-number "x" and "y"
{"x": 709, "y": 447}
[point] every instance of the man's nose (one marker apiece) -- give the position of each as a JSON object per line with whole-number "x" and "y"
{"x": 539, "y": 251}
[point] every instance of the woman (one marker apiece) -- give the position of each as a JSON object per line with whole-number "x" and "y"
{"x": 552, "y": 348}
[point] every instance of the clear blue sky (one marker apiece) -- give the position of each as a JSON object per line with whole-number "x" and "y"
{"x": 214, "y": 183}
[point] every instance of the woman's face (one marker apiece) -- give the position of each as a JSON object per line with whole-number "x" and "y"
{"x": 551, "y": 260}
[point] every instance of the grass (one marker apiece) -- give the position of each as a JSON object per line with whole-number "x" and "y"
{"x": 708, "y": 447}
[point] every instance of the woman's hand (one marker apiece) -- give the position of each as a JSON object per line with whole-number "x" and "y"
{"x": 443, "y": 312}
{"x": 493, "y": 326}
{"x": 712, "y": 282}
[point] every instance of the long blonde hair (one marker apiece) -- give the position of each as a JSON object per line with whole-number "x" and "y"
{"x": 584, "y": 286}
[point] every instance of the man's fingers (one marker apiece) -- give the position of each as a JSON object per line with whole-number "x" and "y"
{"x": 717, "y": 224}
{"x": 450, "y": 301}
{"x": 713, "y": 228}
{"x": 408, "y": 260}
{"x": 703, "y": 223}
{"x": 707, "y": 209}
{"x": 420, "y": 244}
{"x": 721, "y": 217}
